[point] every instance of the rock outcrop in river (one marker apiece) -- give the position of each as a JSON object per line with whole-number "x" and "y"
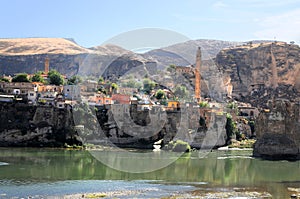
{"x": 278, "y": 131}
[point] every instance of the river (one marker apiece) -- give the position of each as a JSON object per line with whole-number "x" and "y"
{"x": 59, "y": 173}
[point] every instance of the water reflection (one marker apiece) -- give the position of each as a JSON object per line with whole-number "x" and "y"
{"x": 218, "y": 169}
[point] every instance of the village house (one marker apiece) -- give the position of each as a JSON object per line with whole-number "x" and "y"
{"x": 100, "y": 99}
{"x": 145, "y": 104}
{"x": 121, "y": 98}
{"x": 47, "y": 94}
{"x": 89, "y": 86}
{"x": 72, "y": 92}
{"x": 25, "y": 90}
{"x": 173, "y": 105}
{"x": 17, "y": 88}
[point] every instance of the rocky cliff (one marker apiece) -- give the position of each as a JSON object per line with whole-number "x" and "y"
{"x": 278, "y": 131}
{"x": 38, "y": 126}
{"x": 262, "y": 66}
{"x": 127, "y": 126}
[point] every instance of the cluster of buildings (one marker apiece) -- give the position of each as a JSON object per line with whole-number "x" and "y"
{"x": 37, "y": 93}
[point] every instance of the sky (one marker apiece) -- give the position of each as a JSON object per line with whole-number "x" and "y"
{"x": 94, "y": 22}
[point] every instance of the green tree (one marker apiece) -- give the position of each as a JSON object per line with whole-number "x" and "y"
{"x": 55, "y": 78}
{"x": 230, "y": 126}
{"x": 160, "y": 94}
{"x": 22, "y": 77}
{"x": 37, "y": 77}
{"x": 74, "y": 80}
{"x": 181, "y": 92}
{"x": 149, "y": 85}
{"x": 130, "y": 83}
{"x": 102, "y": 90}
{"x": 100, "y": 80}
{"x": 3, "y": 79}
{"x": 114, "y": 87}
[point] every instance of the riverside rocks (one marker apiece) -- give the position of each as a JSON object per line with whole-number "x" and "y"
{"x": 23, "y": 125}
{"x": 278, "y": 131}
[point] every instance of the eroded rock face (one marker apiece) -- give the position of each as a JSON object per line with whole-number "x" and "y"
{"x": 278, "y": 131}
{"x": 36, "y": 126}
{"x": 260, "y": 67}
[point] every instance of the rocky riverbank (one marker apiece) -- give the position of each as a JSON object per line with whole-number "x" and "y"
{"x": 24, "y": 125}
{"x": 278, "y": 131}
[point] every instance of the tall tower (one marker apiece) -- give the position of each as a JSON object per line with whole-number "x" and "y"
{"x": 46, "y": 65}
{"x": 274, "y": 81}
{"x": 198, "y": 76}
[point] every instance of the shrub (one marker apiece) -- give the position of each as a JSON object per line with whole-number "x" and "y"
{"x": 203, "y": 104}
{"x": 181, "y": 146}
{"x": 178, "y": 146}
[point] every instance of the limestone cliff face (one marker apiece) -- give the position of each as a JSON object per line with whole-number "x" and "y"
{"x": 267, "y": 64}
{"x": 278, "y": 131}
{"x": 126, "y": 126}
{"x": 25, "y": 125}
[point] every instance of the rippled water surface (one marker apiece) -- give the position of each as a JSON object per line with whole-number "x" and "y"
{"x": 46, "y": 173}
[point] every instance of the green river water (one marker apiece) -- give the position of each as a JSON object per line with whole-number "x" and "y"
{"x": 54, "y": 173}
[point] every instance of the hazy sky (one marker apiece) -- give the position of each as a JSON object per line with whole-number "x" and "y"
{"x": 92, "y": 22}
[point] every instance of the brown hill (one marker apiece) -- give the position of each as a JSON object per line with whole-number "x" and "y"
{"x": 33, "y": 46}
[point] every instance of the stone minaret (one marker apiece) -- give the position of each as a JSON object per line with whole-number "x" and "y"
{"x": 274, "y": 81}
{"x": 46, "y": 65}
{"x": 198, "y": 76}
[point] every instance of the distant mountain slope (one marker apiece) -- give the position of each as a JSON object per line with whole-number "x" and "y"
{"x": 184, "y": 53}
{"x": 33, "y": 46}
{"x": 28, "y": 55}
